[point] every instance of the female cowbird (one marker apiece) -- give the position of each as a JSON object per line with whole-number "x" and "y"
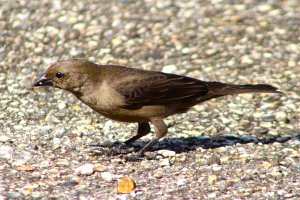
{"x": 134, "y": 95}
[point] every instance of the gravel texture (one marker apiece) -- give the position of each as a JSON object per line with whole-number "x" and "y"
{"x": 238, "y": 147}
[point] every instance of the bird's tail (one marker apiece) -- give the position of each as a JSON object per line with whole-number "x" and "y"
{"x": 228, "y": 89}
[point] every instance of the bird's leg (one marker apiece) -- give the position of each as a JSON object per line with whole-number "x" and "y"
{"x": 160, "y": 131}
{"x": 143, "y": 129}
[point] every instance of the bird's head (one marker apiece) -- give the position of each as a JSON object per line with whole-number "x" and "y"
{"x": 71, "y": 75}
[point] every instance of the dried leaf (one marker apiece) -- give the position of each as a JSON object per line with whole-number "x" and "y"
{"x": 126, "y": 185}
{"x": 26, "y": 168}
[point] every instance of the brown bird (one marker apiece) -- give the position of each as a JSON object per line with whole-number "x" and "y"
{"x": 134, "y": 95}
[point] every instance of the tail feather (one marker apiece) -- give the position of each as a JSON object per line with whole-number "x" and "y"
{"x": 227, "y": 89}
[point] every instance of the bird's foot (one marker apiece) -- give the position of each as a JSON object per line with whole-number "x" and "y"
{"x": 115, "y": 149}
{"x": 120, "y": 148}
{"x": 135, "y": 157}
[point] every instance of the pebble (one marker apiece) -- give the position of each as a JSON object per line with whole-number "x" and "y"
{"x": 212, "y": 195}
{"x": 166, "y": 153}
{"x": 87, "y": 169}
{"x": 261, "y": 131}
{"x": 21, "y": 158}
{"x": 6, "y": 152}
{"x": 273, "y": 133}
{"x": 181, "y": 182}
{"x": 106, "y": 176}
{"x": 212, "y": 178}
{"x": 3, "y": 25}
{"x": 99, "y": 167}
{"x": 211, "y": 52}
{"x": 185, "y": 50}
{"x": 147, "y": 164}
{"x": 44, "y": 164}
{"x": 224, "y": 159}
{"x": 56, "y": 142}
{"x": 36, "y": 195}
{"x": 62, "y": 106}
{"x": 62, "y": 162}
{"x": 13, "y": 195}
{"x": 4, "y": 138}
{"x": 164, "y": 162}
{"x": 266, "y": 125}
{"x": 216, "y": 167}
{"x": 158, "y": 175}
{"x": 247, "y": 60}
{"x": 265, "y": 7}
{"x": 53, "y": 173}
{"x": 107, "y": 127}
{"x": 267, "y": 165}
{"x": 281, "y": 116}
{"x": 169, "y": 68}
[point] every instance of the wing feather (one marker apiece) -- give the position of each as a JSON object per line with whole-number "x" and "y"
{"x": 141, "y": 88}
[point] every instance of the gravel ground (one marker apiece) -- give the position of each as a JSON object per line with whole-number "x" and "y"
{"x": 238, "y": 147}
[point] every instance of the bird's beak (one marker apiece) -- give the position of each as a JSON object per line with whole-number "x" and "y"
{"x": 42, "y": 82}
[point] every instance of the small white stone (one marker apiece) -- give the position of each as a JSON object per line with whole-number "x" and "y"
{"x": 211, "y": 52}
{"x": 281, "y": 116}
{"x": 107, "y": 127}
{"x": 62, "y": 106}
{"x": 6, "y": 152}
{"x": 169, "y": 68}
{"x": 105, "y": 51}
{"x": 62, "y": 162}
{"x": 164, "y": 162}
{"x": 265, "y": 8}
{"x": 273, "y": 132}
{"x": 216, "y": 167}
{"x": 79, "y": 26}
{"x": 107, "y": 176}
{"x": 4, "y": 138}
{"x": 212, "y": 195}
{"x": 292, "y": 63}
{"x": 225, "y": 120}
{"x": 83, "y": 198}
{"x": 166, "y": 153}
{"x": 45, "y": 164}
{"x": 266, "y": 124}
{"x": 185, "y": 50}
{"x": 56, "y": 143}
{"x": 247, "y": 60}
{"x": 181, "y": 182}
{"x": 22, "y": 158}
{"x": 87, "y": 169}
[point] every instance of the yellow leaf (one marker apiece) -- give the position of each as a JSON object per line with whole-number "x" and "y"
{"x": 126, "y": 185}
{"x": 30, "y": 189}
{"x": 76, "y": 107}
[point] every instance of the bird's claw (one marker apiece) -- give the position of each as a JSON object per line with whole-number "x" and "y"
{"x": 115, "y": 149}
{"x": 138, "y": 157}
{"x": 133, "y": 157}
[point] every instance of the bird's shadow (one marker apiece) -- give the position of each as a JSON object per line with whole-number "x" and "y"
{"x": 180, "y": 145}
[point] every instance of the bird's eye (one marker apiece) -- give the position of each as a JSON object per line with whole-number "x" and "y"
{"x": 59, "y": 75}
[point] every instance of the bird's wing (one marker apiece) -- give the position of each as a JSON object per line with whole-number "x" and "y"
{"x": 156, "y": 88}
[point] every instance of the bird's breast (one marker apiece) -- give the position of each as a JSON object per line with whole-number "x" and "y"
{"x": 109, "y": 103}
